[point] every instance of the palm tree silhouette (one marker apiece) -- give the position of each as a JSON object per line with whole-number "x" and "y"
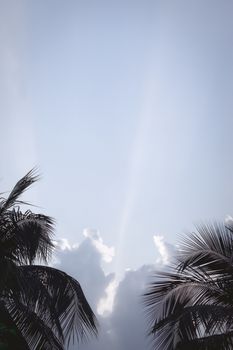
{"x": 191, "y": 305}
{"x": 40, "y": 307}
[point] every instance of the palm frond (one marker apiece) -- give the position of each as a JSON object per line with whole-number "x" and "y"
{"x": 210, "y": 249}
{"x": 75, "y": 315}
{"x": 46, "y": 306}
{"x": 10, "y": 336}
{"x": 36, "y": 333}
{"x": 185, "y": 312}
{"x": 210, "y": 342}
{"x": 10, "y": 277}
{"x": 27, "y": 236}
{"x": 34, "y": 293}
{"x": 193, "y": 304}
{"x": 169, "y": 300}
{"x": 20, "y": 187}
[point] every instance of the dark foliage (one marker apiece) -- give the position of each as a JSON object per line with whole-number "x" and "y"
{"x": 40, "y": 307}
{"x": 191, "y": 306}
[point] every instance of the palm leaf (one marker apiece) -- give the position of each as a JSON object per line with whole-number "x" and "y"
{"x": 210, "y": 249}
{"x": 192, "y": 305}
{"x": 10, "y": 336}
{"x": 210, "y": 342}
{"x": 75, "y": 315}
{"x": 36, "y": 333}
{"x": 20, "y": 187}
{"x": 46, "y": 306}
{"x": 27, "y": 236}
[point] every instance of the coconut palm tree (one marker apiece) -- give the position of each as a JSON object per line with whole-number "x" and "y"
{"x": 40, "y": 307}
{"x": 191, "y": 305}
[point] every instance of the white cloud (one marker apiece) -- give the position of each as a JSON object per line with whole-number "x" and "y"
{"x": 62, "y": 244}
{"x": 83, "y": 261}
{"x": 117, "y": 303}
{"x": 105, "y": 305}
{"x": 165, "y": 249}
{"x": 106, "y": 252}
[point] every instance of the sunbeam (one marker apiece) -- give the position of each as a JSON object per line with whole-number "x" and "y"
{"x": 137, "y": 159}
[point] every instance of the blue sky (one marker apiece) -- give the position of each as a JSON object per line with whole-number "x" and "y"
{"x": 126, "y": 107}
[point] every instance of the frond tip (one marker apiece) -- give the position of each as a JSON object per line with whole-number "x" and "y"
{"x": 20, "y": 187}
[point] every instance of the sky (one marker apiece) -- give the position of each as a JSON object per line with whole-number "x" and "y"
{"x": 126, "y": 109}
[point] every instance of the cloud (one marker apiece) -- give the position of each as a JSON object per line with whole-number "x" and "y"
{"x": 165, "y": 250}
{"x": 105, "y": 305}
{"x": 106, "y": 252}
{"x": 124, "y": 327}
{"x": 128, "y": 328}
{"x": 117, "y": 303}
{"x": 63, "y": 244}
{"x": 83, "y": 261}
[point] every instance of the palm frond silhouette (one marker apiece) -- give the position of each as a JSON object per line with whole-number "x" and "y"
{"x": 40, "y": 307}
{"x": 191, "y": 305}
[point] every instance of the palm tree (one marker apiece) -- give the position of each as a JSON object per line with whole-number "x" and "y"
{"x": 44, "y": 308}
{"x": 191, "y": 305}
